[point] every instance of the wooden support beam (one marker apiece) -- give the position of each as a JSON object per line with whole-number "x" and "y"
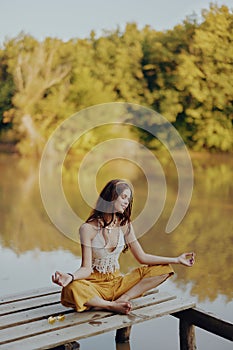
{"x": 207, "y": 321}
{"x": 187, "y": 335}
{"x": 123, "y": 335}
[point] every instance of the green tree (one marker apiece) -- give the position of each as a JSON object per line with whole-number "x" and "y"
{"x": 183, "y": 73}
{"x": 37, "y": 70}
{"x": 205, "y": 81}
{"x": 87, "y": 87}
{"x": 117, "y": 60}
{"x": 160, "y": 61}
{"x": 160, "y": 64}
{"x": 6, "y": 93}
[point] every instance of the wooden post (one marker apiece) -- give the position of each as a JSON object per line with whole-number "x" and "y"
{"x": 207, "y": 321}
{"x": 123, "y": 335}
{"x": 187, "y": 335}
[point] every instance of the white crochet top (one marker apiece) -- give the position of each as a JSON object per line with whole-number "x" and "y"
{"x": 103, "y": 260}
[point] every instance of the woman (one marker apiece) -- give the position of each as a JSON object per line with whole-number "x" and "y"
{"x": 98, "y": 283}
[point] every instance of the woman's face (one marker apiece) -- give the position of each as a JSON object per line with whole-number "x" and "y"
{"x": 122, "y": 201}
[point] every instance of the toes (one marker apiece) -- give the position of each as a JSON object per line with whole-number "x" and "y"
{"x": 128, "y": 307}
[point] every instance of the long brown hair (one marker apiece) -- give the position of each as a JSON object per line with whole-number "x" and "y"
{"x": 104, "y": 209}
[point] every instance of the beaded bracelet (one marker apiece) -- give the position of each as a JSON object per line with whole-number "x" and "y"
{"x": 68, "y": 273}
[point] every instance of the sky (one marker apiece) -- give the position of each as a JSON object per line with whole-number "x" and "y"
{"x": 67, "y": 19}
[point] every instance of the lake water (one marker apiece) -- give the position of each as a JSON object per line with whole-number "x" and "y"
{"x": 32, "y": 248}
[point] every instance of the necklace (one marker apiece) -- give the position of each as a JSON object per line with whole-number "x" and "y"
{"x": 111, "y": 226}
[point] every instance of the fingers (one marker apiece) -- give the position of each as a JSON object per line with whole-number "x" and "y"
{"x": 187, "y": 259}
{"x": 56, "y": 278}
{"x": 190, "y": 257}
{"x": 191, "y": 254}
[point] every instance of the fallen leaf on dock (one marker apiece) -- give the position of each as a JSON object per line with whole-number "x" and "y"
{"x": 61, "y": 317}
{"x": 51, "y": 320}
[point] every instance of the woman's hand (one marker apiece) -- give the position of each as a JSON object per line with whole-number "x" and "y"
{"x": 62, "y": 279}
{"x": 187, "y": 259}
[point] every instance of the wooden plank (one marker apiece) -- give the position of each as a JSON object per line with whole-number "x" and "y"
{"x": 84, "y": 330}
{"x": 27, "y": 304}
{"x": 5, "y": 301}
{"x": 161, "y": 309}
{"x": 32, "y": 315}
{"x": 123, "y": 334}
{"x": 45, "y": 312}
{"x": 34, "y": 293}
{"x": 207, "y": 321}
{"x": 151, "y": 291}
{"x": 151, "y": 299}
{"x": 41, "y": 326}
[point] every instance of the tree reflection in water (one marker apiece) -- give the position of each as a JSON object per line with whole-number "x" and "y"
{"x": 206, "y": 229}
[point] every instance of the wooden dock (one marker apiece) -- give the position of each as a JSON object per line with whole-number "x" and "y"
{"x": 24, "y": 320}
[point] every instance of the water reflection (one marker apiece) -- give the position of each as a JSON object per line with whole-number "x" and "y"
{"x": 206, "y": 229}
{"x": 123, "y": 346}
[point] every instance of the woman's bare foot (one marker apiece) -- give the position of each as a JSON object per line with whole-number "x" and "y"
{"x": 123, "y": 298}
{"x": 120, "y": 307}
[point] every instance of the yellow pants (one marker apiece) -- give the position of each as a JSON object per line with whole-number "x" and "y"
{"x": 109, "y": 286}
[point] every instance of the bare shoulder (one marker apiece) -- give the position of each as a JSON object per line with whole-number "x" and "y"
{"x": 129, "y": 233}
{"x": 127, "y": 228}
{"x": 88, "y": 230}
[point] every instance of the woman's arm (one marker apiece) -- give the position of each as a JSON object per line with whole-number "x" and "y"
{"x": 186, "y": 259}
{"x": 86, "y": 235}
